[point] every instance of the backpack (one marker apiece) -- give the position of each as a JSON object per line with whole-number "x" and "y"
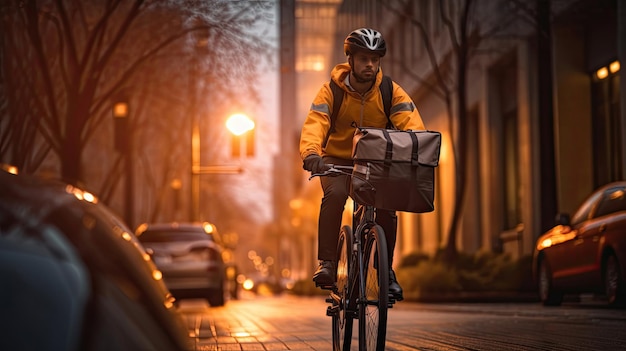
{"x": 386, "y": 90}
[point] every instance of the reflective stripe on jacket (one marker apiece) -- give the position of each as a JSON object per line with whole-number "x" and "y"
{"x": 356, "y": 110}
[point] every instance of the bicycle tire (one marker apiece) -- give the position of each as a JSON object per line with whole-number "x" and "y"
{"x": 342, "y": 320}
{"x": 373, "y": 311}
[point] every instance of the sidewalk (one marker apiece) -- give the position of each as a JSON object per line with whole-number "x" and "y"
{"x": 253, "y": 324}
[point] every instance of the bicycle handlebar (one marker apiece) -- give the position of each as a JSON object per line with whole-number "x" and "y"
{"x": 333, "y": 171}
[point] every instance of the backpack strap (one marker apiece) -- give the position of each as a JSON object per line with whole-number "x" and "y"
{"x": 337, "y": 100}
{"x": 386, "y": 90}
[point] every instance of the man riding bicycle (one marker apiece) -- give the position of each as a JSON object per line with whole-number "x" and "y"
{"x": 362, "y": 106}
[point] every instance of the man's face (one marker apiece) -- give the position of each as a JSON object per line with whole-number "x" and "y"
{"x": 365, "y": 66}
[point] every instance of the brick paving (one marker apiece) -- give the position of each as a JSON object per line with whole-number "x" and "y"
{"x": 252, "y": 323}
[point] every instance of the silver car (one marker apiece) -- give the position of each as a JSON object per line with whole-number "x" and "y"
{"x": 189, "y": 257}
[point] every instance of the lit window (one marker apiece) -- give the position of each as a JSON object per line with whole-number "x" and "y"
{"x": 602, "y": 73}
{"x": 311, "y": 63}
{"x": 614, "y": 67}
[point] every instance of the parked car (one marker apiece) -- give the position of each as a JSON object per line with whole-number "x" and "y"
{"x": 587, "y": 253}
{"x": 74, "y": 277}
{"x": 190, "y": 258}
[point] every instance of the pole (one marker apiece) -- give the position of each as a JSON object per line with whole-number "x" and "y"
{"x": 195, "y": 174}
{"x": 130, "y": 199}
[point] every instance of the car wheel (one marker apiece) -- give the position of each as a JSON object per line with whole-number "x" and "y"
{"x": 548, "y": 296}
{"x": 216, "y": 297}
{"x": 613, "y": 284}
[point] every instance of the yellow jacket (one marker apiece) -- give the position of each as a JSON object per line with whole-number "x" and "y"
{"x": 356, "y": 110}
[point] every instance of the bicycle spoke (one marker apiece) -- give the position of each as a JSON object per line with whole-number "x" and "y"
{"x": 373, "y": 310}
{"x": 342, "y": 320}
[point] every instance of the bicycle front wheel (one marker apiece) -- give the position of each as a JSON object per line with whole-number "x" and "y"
{"x": 373, "y": 310}
{"x": 342, "y": 318}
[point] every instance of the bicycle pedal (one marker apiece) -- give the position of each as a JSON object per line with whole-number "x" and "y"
{"x": 325, "y": 286}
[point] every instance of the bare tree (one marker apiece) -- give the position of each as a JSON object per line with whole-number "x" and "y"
{"x": 465, "y": 33}
{"x": 65, "y": 61}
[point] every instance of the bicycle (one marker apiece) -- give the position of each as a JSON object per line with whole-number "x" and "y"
{"x": 361, "y": 289}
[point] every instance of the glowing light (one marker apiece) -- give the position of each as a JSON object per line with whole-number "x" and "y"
{"x": 142, "y": 228}
{"x": 614, "y": 67}
{"x": 602, "y": 73}
{"x": 81, "y": 194}
{"x": 126, "y": 236}
{"x": 157, "y": 274}
{"x": 10, "y": 169}
{"x": 89, "y": 197}
{"x": 251, "y": 254}
{"x": 546, "y": 243}
{"x": 248, "y": 284}
{"x": 208, "y": 228}
{"x": 239, "y": 123}
{"x": 120, "y": 110}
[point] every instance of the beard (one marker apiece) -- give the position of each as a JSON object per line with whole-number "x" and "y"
{"x": 362, "y": 78}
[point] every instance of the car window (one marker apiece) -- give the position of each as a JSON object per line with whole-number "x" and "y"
{"x": 583, "y": 212}
{"x": 613, "y": 200}
{"x": 158, "y": 236}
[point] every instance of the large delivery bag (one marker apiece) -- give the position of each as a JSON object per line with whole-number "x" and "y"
{"x": 395, "y": 169}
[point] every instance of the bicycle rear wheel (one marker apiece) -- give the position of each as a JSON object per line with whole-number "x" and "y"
{"x": 373, "y": 311}
{"x": 342, "y": 319}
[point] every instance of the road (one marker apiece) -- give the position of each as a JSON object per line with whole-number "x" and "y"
{"x": 299, "y": 323}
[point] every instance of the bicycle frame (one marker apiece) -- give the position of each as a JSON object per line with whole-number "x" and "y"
{"x": 362, "y": 218}
{"x": 362, "y": 286}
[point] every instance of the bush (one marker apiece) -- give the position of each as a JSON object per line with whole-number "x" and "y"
{"x": 307, "y": 287}
{"x": 428, "y": 277}
{"x": 413, "y": 259}
{"x": 479, "y": 272}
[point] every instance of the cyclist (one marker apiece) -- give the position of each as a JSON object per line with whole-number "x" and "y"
{"x": 362, "y": 105}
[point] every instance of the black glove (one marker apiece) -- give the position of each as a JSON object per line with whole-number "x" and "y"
{"x": 315, "y": 164}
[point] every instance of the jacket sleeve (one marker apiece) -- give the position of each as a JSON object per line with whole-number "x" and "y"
{"x": 403, "y": 114}
{"x": 317, "y": 123}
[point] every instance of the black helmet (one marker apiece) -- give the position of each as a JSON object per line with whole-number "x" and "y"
{"x": 365, "y": 39}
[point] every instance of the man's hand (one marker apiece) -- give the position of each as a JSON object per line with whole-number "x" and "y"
{"x": 315, "y": 164}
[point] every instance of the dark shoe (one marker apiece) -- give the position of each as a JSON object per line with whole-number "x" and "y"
{"x": 395, "y": 290}
{"x": 324, "y": 276}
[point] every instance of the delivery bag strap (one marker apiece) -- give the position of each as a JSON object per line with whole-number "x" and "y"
{"x": 389, "y": 149}
{"x": 414, "y": 154}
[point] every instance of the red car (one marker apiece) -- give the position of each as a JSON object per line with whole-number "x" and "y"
{"x": 586, "y": 254}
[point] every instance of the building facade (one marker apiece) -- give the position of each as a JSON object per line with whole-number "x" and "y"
{"x": 543, "y": 119}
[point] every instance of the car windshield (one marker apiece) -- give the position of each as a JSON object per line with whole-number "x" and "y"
{"x": 162, "y": 236}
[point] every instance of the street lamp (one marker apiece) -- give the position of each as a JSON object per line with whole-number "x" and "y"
{"x": 242, "y": 129}
{"x": 238, "y": 124}
{"x": 123, "y": 144}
